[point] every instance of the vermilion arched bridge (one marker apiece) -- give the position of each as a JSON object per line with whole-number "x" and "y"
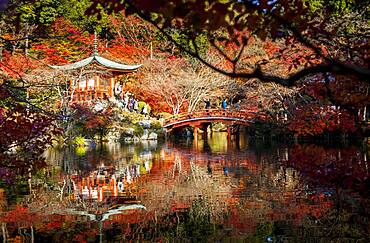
{"x": 201, "y": 119}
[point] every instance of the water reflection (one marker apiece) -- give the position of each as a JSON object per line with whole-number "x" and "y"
{"x": 171, "y": 192}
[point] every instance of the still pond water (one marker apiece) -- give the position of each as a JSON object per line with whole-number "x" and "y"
{"x": 214, "y": 191}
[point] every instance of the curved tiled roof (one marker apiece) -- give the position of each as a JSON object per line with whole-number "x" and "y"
{"x": 99, "y": 60}
{"x": 95, "y": 58}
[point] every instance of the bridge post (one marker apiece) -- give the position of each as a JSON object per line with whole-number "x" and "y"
{"x": 205, "y": 132}
{"x": 195, "y": 135}
{"x": 237, "y": 137}
{"x": 228, "y": 135}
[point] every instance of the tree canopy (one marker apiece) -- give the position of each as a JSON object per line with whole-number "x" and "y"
{"x": 316, "y": 27}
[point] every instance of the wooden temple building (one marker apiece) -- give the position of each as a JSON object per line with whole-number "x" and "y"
{"x": 98, "y": 79}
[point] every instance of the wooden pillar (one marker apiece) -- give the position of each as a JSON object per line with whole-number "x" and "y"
{"x": 229, "y": 136}
{"x": 205, "y": 132}
{"x": 237, "y": 137}
{"x": 115, "y": 189}
{"x": 195, "y": 135}
{"x": 100, "y": 194}
{"x": 95, "y": 87}
{"x": 111, "y": 87}
{"x": 95, "y": 82}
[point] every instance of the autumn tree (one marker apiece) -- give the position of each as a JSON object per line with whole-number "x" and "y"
{"x": 236, "y": 22}
{"x": 182, "y": 85}
{"x": 24, "y": 133}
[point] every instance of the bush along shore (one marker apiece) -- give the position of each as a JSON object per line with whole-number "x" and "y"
{"x": 108, "y": 122}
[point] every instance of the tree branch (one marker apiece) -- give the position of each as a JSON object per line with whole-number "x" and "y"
{"x": 332, "y": 65}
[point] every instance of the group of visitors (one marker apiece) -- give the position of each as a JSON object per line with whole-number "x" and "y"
{"x": 132, "y": 105}
{"x": 223, "y": 104}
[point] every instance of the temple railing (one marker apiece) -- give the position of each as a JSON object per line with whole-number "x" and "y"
{"x": 91, "y": 93}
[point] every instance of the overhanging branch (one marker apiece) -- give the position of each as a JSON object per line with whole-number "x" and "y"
{"x": 331, "y": 65}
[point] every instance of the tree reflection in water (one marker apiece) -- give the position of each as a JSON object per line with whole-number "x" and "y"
{"x": 173, "y": 193}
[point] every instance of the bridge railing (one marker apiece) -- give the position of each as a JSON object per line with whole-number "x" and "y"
{"x": 231, "y": 113}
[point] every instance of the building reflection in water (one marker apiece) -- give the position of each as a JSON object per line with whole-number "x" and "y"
{"x": 108, "y": 181}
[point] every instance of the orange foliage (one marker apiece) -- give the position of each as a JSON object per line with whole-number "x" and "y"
{"x": 314, "y": 119}
{"x": 21, "y": 217}
{"x": 16, "y": 65}
{"x": 121, "y": 50}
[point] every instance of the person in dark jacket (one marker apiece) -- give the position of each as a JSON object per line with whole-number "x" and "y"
{"x": 207, "y": 104}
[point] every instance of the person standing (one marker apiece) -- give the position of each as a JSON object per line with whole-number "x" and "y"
{"x": 224, "y": 104}
{"x": 207, "y": 104}
{"x": 136, "y": 106}
{"x": 237, "y": 105}
{"x": 145, "y": 110}
{"x": 131, "y": 103}
{"x": 127, "y": 96}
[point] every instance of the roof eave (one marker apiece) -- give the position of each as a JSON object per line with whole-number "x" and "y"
{"x": 101, "y": 61}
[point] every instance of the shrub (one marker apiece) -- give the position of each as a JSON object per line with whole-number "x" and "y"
{"x": 156, "y": 125}
{"x": 139, "y": 131}
{"x": 81, "y": 151}
{"x": 79, "y": 141}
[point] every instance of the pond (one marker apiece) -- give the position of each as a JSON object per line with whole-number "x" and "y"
{"x": 213, "y": 191}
